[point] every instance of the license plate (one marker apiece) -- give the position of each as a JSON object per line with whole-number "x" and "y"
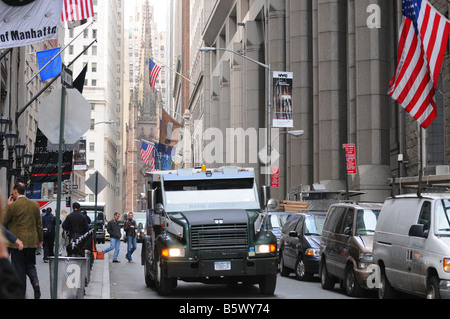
{"x": 222, "y": 265}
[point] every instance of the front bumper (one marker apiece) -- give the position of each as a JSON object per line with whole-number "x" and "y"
{"x": 205, "y": 268}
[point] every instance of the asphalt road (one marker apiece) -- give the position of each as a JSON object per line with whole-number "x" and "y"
{"x": 127, "y": 282}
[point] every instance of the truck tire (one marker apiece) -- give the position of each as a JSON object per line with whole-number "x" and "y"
{"x": 149, "y": 281}
{"x": 267, "y": 285}
{"x": 164, "y": 284}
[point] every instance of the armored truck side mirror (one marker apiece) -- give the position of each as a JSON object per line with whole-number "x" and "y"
{"x": 159, "y": 208}
{"x": 151, "y": 199}
{"x": 265, "y": 195}
{"x": 273, "y": 204}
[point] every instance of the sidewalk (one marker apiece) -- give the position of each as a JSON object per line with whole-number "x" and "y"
{"x": 98, "y": 287}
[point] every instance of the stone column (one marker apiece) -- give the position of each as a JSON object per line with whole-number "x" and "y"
{"x": 331, "y": 91}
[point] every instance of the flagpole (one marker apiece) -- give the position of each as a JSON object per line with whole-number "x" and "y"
{"x": 174, "y": 71}
{"x": 60, "y": 51}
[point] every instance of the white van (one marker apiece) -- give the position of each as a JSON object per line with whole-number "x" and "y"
{"x": 412, "y": 246}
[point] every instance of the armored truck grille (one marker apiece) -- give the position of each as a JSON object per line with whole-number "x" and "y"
{"x": 219, "y": 236}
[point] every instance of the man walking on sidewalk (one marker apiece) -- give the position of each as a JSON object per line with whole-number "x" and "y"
{"x": 23, "y": 219}
{"x": 130, "y": 231}
{"x": 113, "y": 229}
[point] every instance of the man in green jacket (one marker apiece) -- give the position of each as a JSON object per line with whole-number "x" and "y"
{"x": 23, "y": 220}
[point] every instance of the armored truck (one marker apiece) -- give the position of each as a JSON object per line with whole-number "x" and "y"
{"x": 203, "y": 225}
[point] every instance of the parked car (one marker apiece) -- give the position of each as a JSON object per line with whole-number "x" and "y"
{"x": 299, "y": 244}
{"x": 346, "y": 245}
{"x": 412, "y": 246}
{"x": 274, "y": 221}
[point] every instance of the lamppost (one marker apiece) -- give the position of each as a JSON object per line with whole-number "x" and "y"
{"x": 14, "y": 148}
{"x": 269, "y": 103}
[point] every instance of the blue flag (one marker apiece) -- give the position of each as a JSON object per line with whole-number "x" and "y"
{"x": 54, "y": 68}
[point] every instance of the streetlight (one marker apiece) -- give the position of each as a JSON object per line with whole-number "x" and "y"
{"x": 295, "y": 133}
{"x": 269, "y": 104}
{"x": 105, "y": 122}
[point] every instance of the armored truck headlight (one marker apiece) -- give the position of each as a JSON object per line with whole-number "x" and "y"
{"x": 172, "y": 252}
{"x": 265, "y": 249}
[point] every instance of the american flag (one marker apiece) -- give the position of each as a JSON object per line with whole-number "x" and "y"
{"x": 147, "y": 151}
{"x": 154, "y": 71}
{"x": 74, "y": 10}
{"x": 423, "y": 40}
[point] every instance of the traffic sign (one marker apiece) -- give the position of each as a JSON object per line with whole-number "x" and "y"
{"x": 77, "y": 116}
{"x": 96, "y": 183}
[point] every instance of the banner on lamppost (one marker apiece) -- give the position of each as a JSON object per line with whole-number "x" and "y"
{"x": 350, "y": 157}
{"x": 282, "y": 100}
{"x": 275, "y": 176}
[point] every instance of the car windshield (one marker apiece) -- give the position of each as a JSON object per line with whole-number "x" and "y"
{"x": 314, "y": 224}
{"x": 442, "y": 220}
{"x": 366, "y": 221}
{"x": 277, "y": 221}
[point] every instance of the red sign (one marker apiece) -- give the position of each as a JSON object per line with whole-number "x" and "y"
{"x": 350, "y": 156}
{"x": 274, "y": 176}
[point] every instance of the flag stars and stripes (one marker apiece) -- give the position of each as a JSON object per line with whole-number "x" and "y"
{"x": 422, "y": 44}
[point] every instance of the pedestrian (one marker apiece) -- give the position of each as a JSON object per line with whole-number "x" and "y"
{"x": 130, "y": 233}
{"x": 76, "y": 226}
{"x": 11, "y": 286}
{"x": 113, "y": 229}
{"x": 22, "y": 218}
{"x": 48, "y": 223}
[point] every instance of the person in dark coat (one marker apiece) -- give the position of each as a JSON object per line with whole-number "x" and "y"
{"x": 48, "y": 223}
{"x": 76, "y": 226}
{"x": 113, "y": 229}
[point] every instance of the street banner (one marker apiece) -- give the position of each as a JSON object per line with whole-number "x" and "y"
{"x": 45, "y": 162}
{"x": 274, "y": 176}
{"x": 169, "y": 133}
{"x": 34, "y": 22}
{"x": 79, "y": 156}
{"x": 282, "y": 99}
{"x": 350, "y": 157}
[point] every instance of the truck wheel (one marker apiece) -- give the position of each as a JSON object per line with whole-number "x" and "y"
{"x": 149, "y": 282}
{"x": 164, "y": 284}
{"x": 267, "y": 285}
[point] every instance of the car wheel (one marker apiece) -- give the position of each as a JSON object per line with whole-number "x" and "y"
{"x": 326, "y": 280}
{"x": 433, "y": 288}
{"x": 300, "y": 270}
{"x": 352, "y": 287}
{"x": 385, "y": 291}
{"x": 284, "y": 271}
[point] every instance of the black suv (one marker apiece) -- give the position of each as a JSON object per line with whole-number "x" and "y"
{"x": 299, "y": 244}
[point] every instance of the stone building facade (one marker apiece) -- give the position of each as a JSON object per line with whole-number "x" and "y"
{"x": 342, "y": 54}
